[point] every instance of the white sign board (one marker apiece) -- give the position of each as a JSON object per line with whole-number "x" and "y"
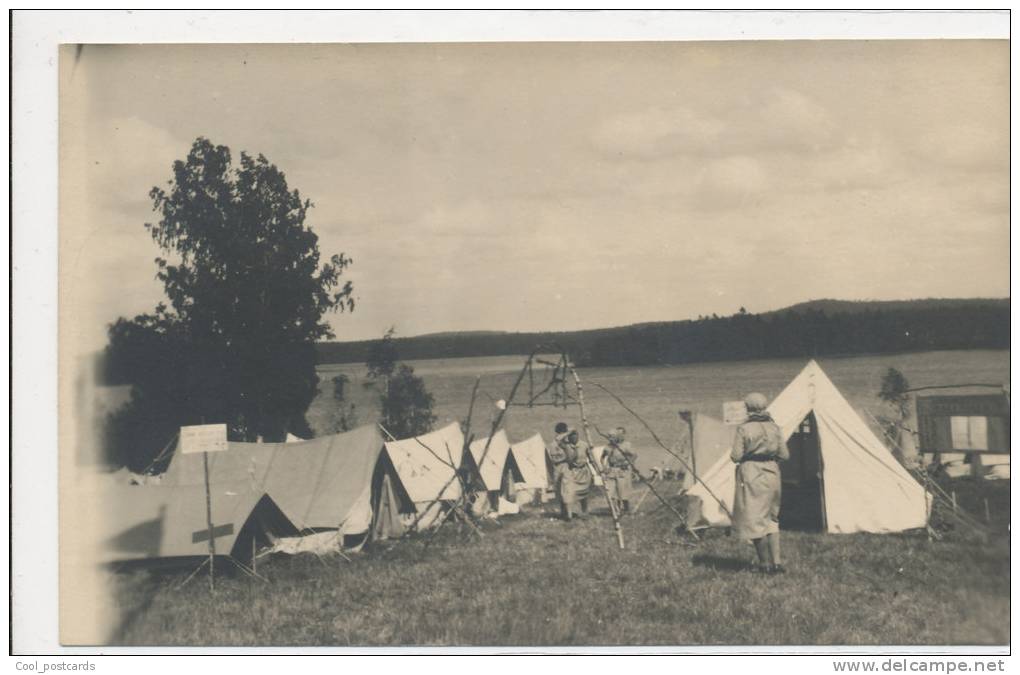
{"x": 734, "y": 412}
{"x": 203, "y": 438}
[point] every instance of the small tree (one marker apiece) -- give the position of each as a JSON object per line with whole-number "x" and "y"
{"x": 894, "y": 393}
{"x": 407, "y": 404}
{"x": 345, "y": 416}
{"x": 382, "y": 357}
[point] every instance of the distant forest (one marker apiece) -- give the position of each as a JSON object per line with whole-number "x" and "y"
{"x": 816, "y": 328}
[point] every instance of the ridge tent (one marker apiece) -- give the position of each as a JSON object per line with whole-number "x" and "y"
{"x": 422, "y": 476}
{"x": 840, "y": 476}
{"x": 529, "y": 456}
{"x": 323, "y": 483}
{"x": 712, "y": 440}
{"x": 392, "y": 508}
{"x": 159, "y": 522}
{"x": 497, "y": 471}
{"x": 491, "y": 466}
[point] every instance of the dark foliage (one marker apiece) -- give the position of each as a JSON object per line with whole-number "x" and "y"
{"x": 826, "y": 328}
{"x": 345, "y": 415}
{"x": 247, "y": 296}
{"x": 407, "y": 404}
{"x": 382, "y": 356}
{"x": 894, "y": 392}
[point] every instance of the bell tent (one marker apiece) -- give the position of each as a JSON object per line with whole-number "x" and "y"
{"x": 840, "y": 477}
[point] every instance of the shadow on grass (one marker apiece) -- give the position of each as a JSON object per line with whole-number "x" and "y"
{"x": 721, "y": 563}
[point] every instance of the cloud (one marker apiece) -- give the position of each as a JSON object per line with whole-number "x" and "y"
{"x": 780, "y": 120}
{"x": 126, "y": 157}
{"x": 732, "y": 179}
{"x": 966, "y": 146}
{"x": 658, "y": 132}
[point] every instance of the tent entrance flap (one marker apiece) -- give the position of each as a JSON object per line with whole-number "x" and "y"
{"x": 803, "y": 488}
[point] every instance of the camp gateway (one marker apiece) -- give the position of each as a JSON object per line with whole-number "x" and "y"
{"x": 36, "y": 667}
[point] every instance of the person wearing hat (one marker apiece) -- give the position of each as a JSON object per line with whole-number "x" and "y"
{"x": 758, "y": 447}
{"x": 617, "y": 461}
{"x": 571, "y": 476}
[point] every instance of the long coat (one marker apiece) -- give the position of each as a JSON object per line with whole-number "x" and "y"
{"x": 757, "y": 448}
{"x": 571, "y": 476}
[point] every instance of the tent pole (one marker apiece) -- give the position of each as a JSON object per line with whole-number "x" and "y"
{"x": 591, "y": 458}
{"x": 662, "y": 445}
{"x": 938, "y": 493}
{"x": 648, "y": 484}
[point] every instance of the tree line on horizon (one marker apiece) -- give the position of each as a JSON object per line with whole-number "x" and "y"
{"x": 797, "y": 332}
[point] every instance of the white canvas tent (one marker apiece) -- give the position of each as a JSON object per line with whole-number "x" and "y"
{"x": 530, "y": 457}
{"x": 491, "y": 462}
{"x": 424, "y": 467}
{"x": 862, "y": 486}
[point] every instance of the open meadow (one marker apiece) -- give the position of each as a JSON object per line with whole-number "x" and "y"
{"x": 534, "y": 580}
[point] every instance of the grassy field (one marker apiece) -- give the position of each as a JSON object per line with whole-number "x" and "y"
{"x": 533, "y": 580}
{"x": 656, "y": 393}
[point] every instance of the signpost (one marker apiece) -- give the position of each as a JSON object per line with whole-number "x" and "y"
{"x": 734, "y": 412}
{"x": 206, "y": 438}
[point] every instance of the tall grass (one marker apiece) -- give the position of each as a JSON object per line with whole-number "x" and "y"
{"x": 534, "y": 580}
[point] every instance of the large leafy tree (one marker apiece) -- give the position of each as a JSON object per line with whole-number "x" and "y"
{"x": 247, "y": 299}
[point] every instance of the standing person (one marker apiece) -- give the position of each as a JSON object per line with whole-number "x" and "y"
{"x": 617, "y": 459}
{"x": 571, "y": 475}
{"x": 757, "y": 449}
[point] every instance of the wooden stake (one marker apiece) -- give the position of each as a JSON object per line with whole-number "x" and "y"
{"x": 954, "y": 501}
{"x": 988, "y": 515}
{"x": 591, "y": 458}
{"x": 208, "y": 519}
{"x": 638, "y": 505}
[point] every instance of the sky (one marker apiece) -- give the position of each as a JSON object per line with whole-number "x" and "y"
{"x": 558, "y": 186}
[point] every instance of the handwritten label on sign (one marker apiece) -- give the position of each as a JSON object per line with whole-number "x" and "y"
{"x": 734, "y": 412}
{"x": 203, "y": 438}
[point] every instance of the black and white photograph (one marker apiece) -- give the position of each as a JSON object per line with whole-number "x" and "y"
{"x": 662, "y": 344}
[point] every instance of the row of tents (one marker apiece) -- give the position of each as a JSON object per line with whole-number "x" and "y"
{"x": 352, "y": 487}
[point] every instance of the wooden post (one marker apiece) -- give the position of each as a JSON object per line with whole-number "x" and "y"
{"x": 688, "y": 417}
{"x": 988, "y": 515}
{"x": 591, "y": 458}
{"x": 954, "y": 501}
{"x": 927, "y": 514}
{"x": 208, "y": 518}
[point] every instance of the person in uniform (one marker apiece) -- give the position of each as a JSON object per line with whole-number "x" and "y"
{"x": 571, "y": 476}
{"x": 617, "y": 465}
{"x": 758, "y": 446}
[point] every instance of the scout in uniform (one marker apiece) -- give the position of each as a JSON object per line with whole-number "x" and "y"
{"x": 617, "y": 460}
{"x": 571, "y": 476}
{"x": 757, "y": 450}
